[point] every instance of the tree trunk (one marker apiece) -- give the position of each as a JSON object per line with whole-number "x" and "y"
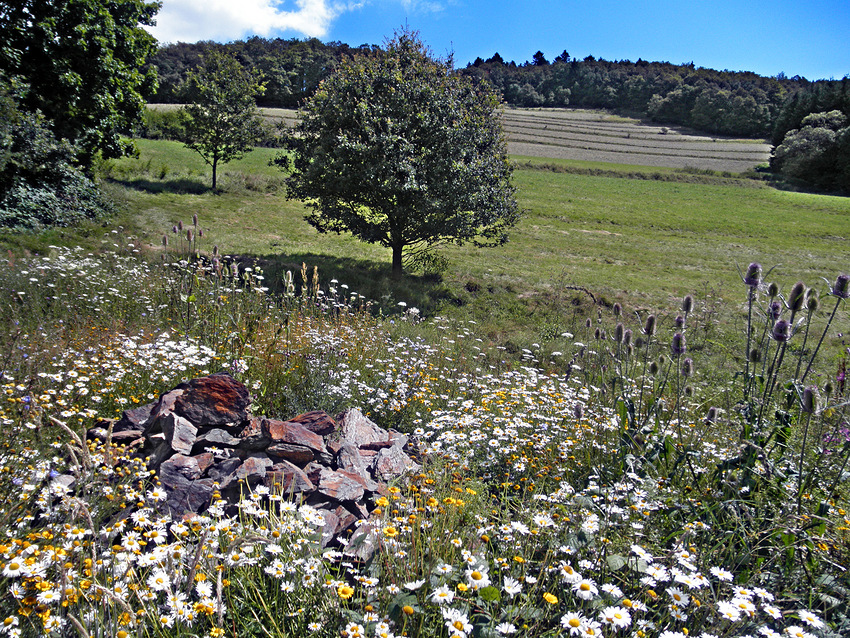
{"x": 214, "y": 166}
{"x": 397, "y": 271}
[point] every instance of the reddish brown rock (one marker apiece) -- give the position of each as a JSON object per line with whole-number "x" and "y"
{"x": 191, "y": 497}
{"x": 289, "y": 432}
{"x": 297, "y": 454}
{"x": 288, "y": 479}
{"x": 340, "y": 485}
{"x": 253, "y": 469}
{"x": 181, "y": 465}
{"x": 317, "y": 421}
{"x": 349, "y": 458}
{"x": 252, "y": 436}
{"x": 218, "y": 399}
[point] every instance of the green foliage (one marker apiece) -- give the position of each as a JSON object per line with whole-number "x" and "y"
{"x": 222, "y": 124}
{"x": 818, "y": 153}
{"x": 38, "y": 184}
{"x": 78, "y": 62}
{"x": 399, "y": 151}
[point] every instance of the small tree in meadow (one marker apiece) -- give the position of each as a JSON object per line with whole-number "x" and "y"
{"x": 398, "y": 150}
{"x": 222, "y": 122}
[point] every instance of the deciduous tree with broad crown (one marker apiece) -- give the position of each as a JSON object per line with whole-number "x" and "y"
{"x": 397, "y": 149}
{"x": 222, "y": 122}
{"x": 79, "y": 62}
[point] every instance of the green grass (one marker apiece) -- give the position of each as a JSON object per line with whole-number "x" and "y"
{"x": 642, "y": 242}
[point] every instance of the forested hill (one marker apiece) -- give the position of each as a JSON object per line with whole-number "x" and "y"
{"x": 721, "y": 102}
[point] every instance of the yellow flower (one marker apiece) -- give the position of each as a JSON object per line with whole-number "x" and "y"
{"x": 345, "y": 592}
{"x": 550, "y": 598}
{"x": 462, "y": 587}
{"x": 390, "y": 532}
{"x": 408, "y": 610}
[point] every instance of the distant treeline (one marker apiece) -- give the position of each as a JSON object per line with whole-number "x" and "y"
{"x": 721, "y": 102}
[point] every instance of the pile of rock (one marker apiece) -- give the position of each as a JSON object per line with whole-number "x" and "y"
{"x": 200, "y": 438}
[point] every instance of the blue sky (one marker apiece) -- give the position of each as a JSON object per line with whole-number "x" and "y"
{"x": 810, "y": 38}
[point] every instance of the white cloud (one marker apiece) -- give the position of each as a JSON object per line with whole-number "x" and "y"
{"x": 225, "y": 20}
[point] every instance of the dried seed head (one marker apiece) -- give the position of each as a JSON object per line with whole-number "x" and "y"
{"x": 781, "y": 331}
{"x": 679, "y": 322}
{"x": 588, "y": 323}
{"x": 195, "y": 219}
{"x": 796, "y": 297}
{"x": 627, "y": 337}
{"x": 618, "y": 310}
{"x": 772, "y": 289}
{"x": 649, "y": 327}
{"x": 215, "y": 250}
{"x": 677, "y": 345}
{"x": 597, "y": 334}
{"x": 755, "y": 355}
{"x": 711, "y": 417}
{"x": 753, "y": 276}
{"x": 812, "y": 301}
{"x": 827, "y": 388}
{"x": 688, "y": 304}
{"x": 687, "y": 367}
{"x": 774, "y": 310}
{"x": 689, "y": 390}
{"x": 165, "y": 240}
{"x": 619, "y": 331}
{"x": 578, "y": 410}
{"x": 653, "y": 368}
{"x": 180, "y": 226}
{"x": 189, "y": 234}
{"x": 841, "y": 288}
{"x": 809, "y": 400}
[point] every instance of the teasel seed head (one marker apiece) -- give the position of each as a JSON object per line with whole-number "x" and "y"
{"x": 677, "y": 345}
{"x": 755, "y": 355}
{"x": 649, "y": 327}
{"x": 619, "y": 331}
{"x": 774, "y": 310}
{"x": 781, "y": 331}
{"x": 841, "y": 288}
{"x": 797, "y": 297}
{"x": 627, "y": 337}
{"x": 812, "y": 301}
{"x": 687, "y": 367}
{"x": 688, "y": 304}
{"x": 810, "y": 400}
{"x": 772, "y": 289}
{"x": 753, "y": 276}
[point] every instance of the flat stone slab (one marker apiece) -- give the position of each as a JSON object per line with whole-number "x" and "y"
{"x": 358, "y": 429}
{"x": 294, "y": 433}
{"x": 218, "y": 399}
{"x": 317, "y": 421}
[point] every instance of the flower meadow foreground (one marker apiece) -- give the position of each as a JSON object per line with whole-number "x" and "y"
{"x": 601, "y": 490}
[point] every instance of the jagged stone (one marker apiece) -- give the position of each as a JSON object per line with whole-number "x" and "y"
{"x": 342, "y": 485}
{"x": 297, "y": 454}
{"x": 182, "y": 465}
{"x": 363, "y": 542}
{"x": 223, "y": 468}
{"x": 253, "y": 469}
{"x": 218, "y": 399}
{"x": 357, "y": 428}
{"x": 294, "y": 433}
{"x": 162, "y": 408}
{"x": 317, "y": 421}
{"x": 349, "y": 458}
{"x": 287, "y": 479}
{"x": 337, "y": 521}
{"x": 252, "y": 437}
{"x": 134, "y": 419}
{"x": 179, "y": 433}
{"x": 391, "y": 463}
{"x": 216, "y": 437}
{"x": 190, "y": 497}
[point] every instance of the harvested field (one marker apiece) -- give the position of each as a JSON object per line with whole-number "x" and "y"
{"x": 596, "y": 136}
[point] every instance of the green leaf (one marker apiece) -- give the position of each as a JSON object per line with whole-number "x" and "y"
{"x": 616, "y": 561}
{"x": 489, "y": 593}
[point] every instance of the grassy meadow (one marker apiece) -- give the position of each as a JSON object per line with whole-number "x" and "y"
{"x": 629, "y": 428}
